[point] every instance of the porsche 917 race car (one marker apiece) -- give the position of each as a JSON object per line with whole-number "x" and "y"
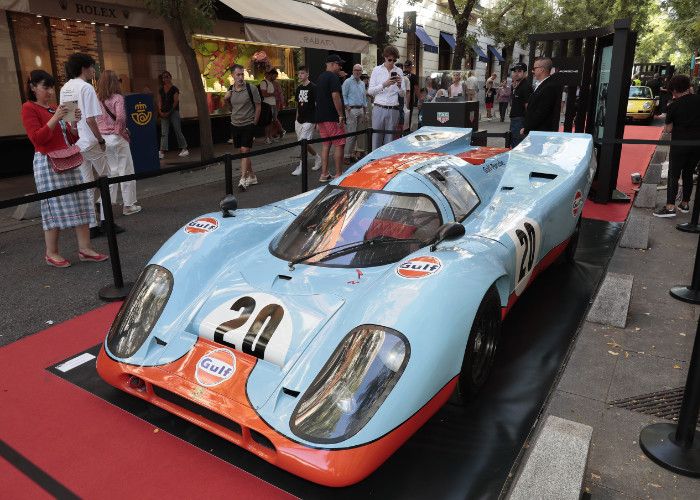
{"x": 321, "y": 331}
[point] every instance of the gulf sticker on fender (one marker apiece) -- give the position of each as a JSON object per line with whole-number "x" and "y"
{"x": 578, "y": 203}
{"x": 527, "y": 236}
{"x": 419, "y": 267}
{"x": 202, "y": 225}
{"x": 215, "y": 367}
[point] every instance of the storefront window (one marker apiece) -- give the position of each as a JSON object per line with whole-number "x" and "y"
{"x": 31, "y": 46}
{"x": 216, "y": 56}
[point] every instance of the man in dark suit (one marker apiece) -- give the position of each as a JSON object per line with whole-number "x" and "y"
{"x": 544, "y": 105}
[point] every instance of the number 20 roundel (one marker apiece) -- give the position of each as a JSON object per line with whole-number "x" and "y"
{"x": 527, "y": 237}
{"x": 256, "y": 323}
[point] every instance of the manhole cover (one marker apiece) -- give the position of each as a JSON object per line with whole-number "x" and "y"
{"x": 663, "y": 404}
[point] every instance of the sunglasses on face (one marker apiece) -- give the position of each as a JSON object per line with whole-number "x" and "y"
{"x": 390, "y": 59}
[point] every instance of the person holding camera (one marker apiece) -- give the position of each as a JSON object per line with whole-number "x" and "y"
{"x": 385, "y": 86}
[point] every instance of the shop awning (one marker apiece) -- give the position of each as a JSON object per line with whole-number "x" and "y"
{"x": 496, "y": 53}
{"x": 288, "y": 22}
{"x": 428, "y": 44}
{"x": 449, "y": 39}
{"x": 480, "y": 53}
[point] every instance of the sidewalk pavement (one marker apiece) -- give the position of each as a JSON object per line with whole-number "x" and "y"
{"x": 649, "y": 355}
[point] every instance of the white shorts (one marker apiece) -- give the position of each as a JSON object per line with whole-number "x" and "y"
{"x": 304, "y": 130}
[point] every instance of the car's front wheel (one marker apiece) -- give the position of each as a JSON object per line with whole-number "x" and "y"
{"x": 481, "y": 347}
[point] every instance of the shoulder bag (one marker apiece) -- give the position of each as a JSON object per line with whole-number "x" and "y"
{"x": 67, "y": 158}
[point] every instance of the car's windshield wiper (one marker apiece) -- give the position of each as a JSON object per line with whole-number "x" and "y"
{"x": 352, "y": 247}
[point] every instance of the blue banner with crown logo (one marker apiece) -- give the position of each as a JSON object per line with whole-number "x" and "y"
{"x": 141, "y": 121}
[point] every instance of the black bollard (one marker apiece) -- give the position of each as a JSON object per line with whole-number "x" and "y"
{"x": 119, "y": 290}
{"x": 690, "y": 294}
{"x": 228, "y": 173}
{"x": 692, "y": 226}
{"x": 368, "y": 132}
{"x": 508, "y": 136}
{"x": 676, "y": 447}
{"x": 304, "y": 166}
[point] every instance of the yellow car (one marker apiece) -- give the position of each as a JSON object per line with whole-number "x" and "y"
{"x": 641, "y": 105}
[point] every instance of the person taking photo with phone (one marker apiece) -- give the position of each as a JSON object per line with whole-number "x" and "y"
{"x": 385, "y": 86}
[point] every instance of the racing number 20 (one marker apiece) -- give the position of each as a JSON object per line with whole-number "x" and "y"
{"x": 528, "y": 240}
{"x": 255, "y": 341}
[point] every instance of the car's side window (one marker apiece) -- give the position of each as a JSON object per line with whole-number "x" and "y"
{"x": 459, "y": 193}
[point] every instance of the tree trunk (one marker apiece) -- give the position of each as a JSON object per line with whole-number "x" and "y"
{"x": 461, "y": 47}
{"x": 510, "y": 48}
{"x": 382, "y": 28}
{"x": 206, "y": 142}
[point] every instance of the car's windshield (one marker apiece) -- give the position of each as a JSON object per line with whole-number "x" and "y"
{"x": 643, "y": 92}
{"x": 339, "y": 216}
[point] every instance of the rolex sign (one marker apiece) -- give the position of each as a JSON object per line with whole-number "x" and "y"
{"x": 141, "y": 122}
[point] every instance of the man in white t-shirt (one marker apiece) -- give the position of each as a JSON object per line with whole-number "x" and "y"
{"x": 81, "y": 69}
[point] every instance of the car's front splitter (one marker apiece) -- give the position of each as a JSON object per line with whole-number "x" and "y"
{"x": 234, "y": 419}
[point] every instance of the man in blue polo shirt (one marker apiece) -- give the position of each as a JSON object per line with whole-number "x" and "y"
{"x": 355, "y": 99}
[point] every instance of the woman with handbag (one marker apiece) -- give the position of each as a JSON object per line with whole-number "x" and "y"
{"x": 55, "y": 166}
{"x": 112, "y": 125}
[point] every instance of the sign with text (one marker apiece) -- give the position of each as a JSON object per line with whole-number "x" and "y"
{"x": 569, "y": 69}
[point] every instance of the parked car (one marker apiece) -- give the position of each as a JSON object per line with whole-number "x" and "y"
{"x": 321, "y": 331}
{"x": 641, "y": 105}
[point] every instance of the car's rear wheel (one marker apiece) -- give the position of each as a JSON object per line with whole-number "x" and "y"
{"x": 481, "y": 347}
{"x": 570, "y": 252}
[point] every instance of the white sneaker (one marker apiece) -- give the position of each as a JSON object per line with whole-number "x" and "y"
{"x": 161, "y": 155}
{"x": 297, "y": 171}
{"x": 184, "y": 152}
{"x": 251, "y": 181}
{"x": 317, "y": 163}
{"x": 268, "y": 140}
{"x": 284, "y": 132}
{"x": 230, "y": 141}
{"x": 243, "y": 184}
{"x": 131, "y": 210}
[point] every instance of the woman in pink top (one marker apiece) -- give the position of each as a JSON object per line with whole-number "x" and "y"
{"x": 112, "y": 124}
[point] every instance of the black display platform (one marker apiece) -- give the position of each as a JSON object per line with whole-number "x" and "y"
{"x": 460, "y": 452}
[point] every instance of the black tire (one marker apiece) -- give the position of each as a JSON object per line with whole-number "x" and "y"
{"x": 570, "y": 252}
{"x": 481, "y": 347}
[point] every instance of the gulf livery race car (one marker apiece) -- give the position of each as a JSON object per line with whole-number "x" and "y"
{"x": 641, "y": 104}
{"x": 320, "y": 332}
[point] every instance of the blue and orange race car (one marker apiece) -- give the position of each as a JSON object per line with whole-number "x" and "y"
{"x": 320, "y": 332}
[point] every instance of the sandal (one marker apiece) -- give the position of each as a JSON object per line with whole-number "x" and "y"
{"x": 56, "y": 262}
{"x": 98, "y": 257}
{"x": 325, "y": 178}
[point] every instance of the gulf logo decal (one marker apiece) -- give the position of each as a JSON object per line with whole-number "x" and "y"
{"x": 202, "y": 225}
{"x": 215, "y": 367}
{"x": 419, "y": 267}
{"x": 578, "y": 203}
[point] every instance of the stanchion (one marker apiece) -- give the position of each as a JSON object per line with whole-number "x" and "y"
{"x": 119, "y": 290}
{"x": 368, "y": 134}
{"x": 692, "y": 226}
{"x": 304, "y": 165}
{"x": 509, "y": 138}
{"x": 677, "y": 447}
{"x": 690, "y": 294}
{"x": 228, "y": 173}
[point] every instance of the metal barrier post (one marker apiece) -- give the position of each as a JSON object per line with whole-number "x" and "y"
{"x": 677, "y": 447}
{"x": 509, "y": 138}
{"x": 120, "y": 289}
{"x": 690, "y": 293}
{"x": 693, "y": 226}
{"x": 368, "y": 134}
{"x": 228, "y": 173}
{"x": 304, "y": 166}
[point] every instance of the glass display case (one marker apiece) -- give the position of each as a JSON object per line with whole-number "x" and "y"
{"x": 216, "y": 55}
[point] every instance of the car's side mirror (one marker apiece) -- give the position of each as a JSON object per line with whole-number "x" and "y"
{"x": 228, "y": 204}
{"x": 448, "y": 231}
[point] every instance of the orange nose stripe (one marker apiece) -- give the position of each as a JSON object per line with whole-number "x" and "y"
{"x": 378, "y": 173}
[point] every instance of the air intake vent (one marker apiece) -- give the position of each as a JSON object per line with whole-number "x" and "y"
{"x": 542, "y": 176}
{"x": 197, "y": 409}
{"x": 261, "y": 440}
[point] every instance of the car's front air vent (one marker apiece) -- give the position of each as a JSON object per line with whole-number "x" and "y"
{"x": 506, "y": 188}
{"x": 261, "y": 440}
{"x": 290, "y": 392}
{"x": 284, "y": 277}
{"x": 542, "y": 176}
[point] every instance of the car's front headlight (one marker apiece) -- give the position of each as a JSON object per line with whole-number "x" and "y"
{"x": 352, "y": 385}
{"x": 139, "y": 314}
{"x": 646, "y": 106}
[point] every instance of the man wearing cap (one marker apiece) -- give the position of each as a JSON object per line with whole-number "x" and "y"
{"x": 355, "y": 99}
{"x": 385, "y": 85}
{"x": 519, "y": 96}
{"x": 330, "y": 117}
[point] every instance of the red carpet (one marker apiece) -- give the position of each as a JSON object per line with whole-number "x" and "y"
{"x": 89, "y": 447}
{"x": 635, "y": 158}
